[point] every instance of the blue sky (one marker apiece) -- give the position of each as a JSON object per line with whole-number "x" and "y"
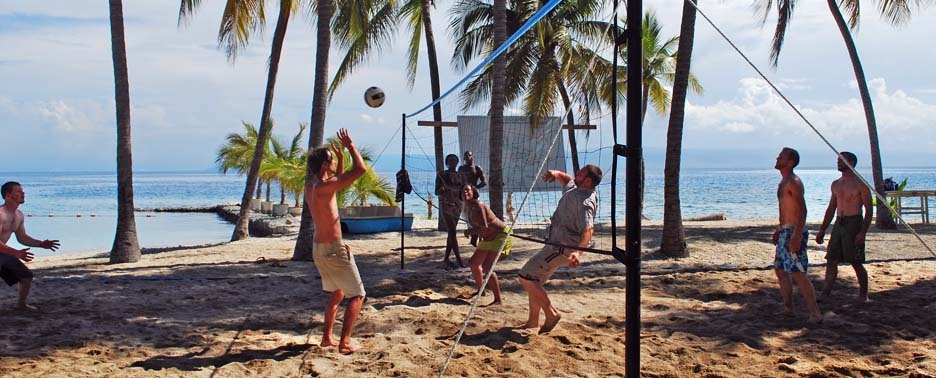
{"x": 57, "y": 107}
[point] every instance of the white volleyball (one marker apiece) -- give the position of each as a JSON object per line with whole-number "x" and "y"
{"x": 374, "y": 97}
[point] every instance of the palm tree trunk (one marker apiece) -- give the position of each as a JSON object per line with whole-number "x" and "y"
{"x": 126, "y": 247}
{"x": 303, "y": 248}
{"x": 434, "y": 83}
{"x": 436, "y": 89}
{"x": 573, "y": 146}
{"x": 673, "y": 243}
{"x": 241, "y": 230}
{"x": 496, "y": 141}
{"x": 884, "y": 220}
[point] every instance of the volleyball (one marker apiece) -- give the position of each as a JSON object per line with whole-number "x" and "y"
{"x": 374, "y": 97}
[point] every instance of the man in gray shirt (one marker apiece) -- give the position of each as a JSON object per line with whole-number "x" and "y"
{"x": 572, "y": 225}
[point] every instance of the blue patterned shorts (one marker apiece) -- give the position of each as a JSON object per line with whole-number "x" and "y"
{"x": 784, "y": 260}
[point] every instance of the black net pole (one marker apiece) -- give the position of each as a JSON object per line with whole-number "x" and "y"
{"x": 403, "y": 201}
{"x": 633, "y": 187}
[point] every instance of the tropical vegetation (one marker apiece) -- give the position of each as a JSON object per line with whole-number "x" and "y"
{"x": 240, "y": 19}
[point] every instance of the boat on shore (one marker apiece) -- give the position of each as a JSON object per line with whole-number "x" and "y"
{"x": 374, "y": 219}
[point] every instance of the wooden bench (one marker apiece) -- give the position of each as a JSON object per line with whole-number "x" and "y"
{"x": 914, "y": 207}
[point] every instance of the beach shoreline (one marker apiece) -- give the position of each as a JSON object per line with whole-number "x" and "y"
{"x": 244, "y": 309}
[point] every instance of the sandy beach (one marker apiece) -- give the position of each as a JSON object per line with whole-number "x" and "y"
{"x": 244, "y": 309}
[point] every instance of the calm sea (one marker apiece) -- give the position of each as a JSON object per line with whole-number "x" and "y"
{"x": 740, "y": 194}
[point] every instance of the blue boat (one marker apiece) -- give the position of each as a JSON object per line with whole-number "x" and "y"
{"x": 373, "y": 219}
{"x": 370, "y": 225}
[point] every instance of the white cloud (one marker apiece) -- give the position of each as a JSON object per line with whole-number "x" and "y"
{"x": 72, "y": 118}
{"x": 759, "y": 112}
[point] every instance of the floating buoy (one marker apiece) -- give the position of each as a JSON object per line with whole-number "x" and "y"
{"x": 149, "y": 215}
{"x": 51, "y": 215}
{"x": 78, "y": 215}
{"x": 30, "y": 214}
{"x": 93, "y": 215}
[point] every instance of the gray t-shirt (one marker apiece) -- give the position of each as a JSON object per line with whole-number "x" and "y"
{"x": 575, "y": 212}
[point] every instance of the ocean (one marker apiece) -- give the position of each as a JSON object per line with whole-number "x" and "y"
{"x": 80, "y": 208}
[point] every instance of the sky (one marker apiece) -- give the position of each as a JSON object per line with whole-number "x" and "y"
{"x": 57, "y": 93}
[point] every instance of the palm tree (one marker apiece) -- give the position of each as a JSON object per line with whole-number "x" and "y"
{"x": 126, "y": 247}
{"x": 659, "y": 71}
{"x": 498, "y": 101}
{"x": 239, "y": 20}
{"x": 237, "y": 153}
{"x": 420, "y": 19}
{"x": 323, "y": 8}
{"x": 897, "y": 12}
{"x": 277, "y": 165}
{"x": 541, "y": 67}
{"x": 673, "y": 241}
{"x": 659, "y": 65}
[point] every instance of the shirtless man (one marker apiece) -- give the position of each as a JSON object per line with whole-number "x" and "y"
{"x": 791, "y": 235}
{"x": 332, "y": 257}
{"x": 847, "y": 242}
{"x": 12, "y": 270}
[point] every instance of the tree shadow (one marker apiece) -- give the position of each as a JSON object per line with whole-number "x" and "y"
{"x": 196, "y": 361}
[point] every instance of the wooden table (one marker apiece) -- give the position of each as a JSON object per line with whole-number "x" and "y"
{"x": 921, "y": 208}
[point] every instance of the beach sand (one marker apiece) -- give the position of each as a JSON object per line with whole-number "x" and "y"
{"x": 244, "y": 309}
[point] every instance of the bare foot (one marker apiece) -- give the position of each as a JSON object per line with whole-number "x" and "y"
{"x": 549, "y": 324}
{"x": 26, "y": 307}
{"x": 862, "y": 299}
{"x": 529, "y": 325}
{"x": 495, "y": 302}
{"x": 327, "y": 342}
{"x": 347, "y": 348}
{"x": 814, "y": 319}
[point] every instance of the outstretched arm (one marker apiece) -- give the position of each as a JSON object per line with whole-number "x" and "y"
{"x": 480, "y": 173}
{"x": 553, "y": 175}
{"x": 23, "y": 238}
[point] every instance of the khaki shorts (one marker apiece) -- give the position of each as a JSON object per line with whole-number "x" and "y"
{"x": 336, "y": 265}
{"x": 544, "y": 263}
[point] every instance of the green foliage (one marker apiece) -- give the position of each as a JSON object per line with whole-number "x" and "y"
{"x": 367, "y": 186}
{"x": 892, "y": 202}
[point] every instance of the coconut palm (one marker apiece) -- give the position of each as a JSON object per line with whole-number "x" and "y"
{"x": 897, "y": 12}
{"x": 237, "y": 153}
{"x": 659, "y": 71}
{"x": 276, "y": 165}
{"x": 323, "y": 9}
{"x": 540, "y": 69}
{"x": 126, "y": 247}
{"x": 673, "y": 241}
{"x": 240, "y": 19}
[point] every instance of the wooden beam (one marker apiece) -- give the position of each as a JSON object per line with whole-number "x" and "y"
{"x": 455, "y": 124}
{"x": 434, "y": 124}
{"x": 579, "y": 127}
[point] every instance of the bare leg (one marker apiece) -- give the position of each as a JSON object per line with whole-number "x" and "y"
{"x": 786, "y": 290}
{"x": 24, "y": 285}
{"x": 489, "y": 258}
{"x": 475, "y": 266}
{"x": 831, "y": 274}
{"x": 533, "y": 317}
{"x": 538, "y": 296}
{"x": 862, "y": 275}
{"x": 351, "y": 314}
{"x": 809, "y": 295}
{"x": 331, "y": 310}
